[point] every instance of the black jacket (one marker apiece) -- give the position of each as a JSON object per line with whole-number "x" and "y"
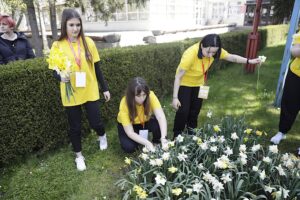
{"x": 19, "y": 49}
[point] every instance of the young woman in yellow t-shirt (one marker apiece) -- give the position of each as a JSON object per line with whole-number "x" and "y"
{"x": 139, "y": 113}
{"x": 290, "y": 102}
{"x": 191, "y": 74}
{"x": 85, "y": 73}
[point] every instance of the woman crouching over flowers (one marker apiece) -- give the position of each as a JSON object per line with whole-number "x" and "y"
{"x": 82, "y": 55}
{"x": 135, "y": 118}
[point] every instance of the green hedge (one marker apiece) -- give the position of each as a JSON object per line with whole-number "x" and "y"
{"x": 32, "y": 117}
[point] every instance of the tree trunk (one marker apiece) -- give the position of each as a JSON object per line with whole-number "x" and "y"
{"x": 34, "y": 28}
{"x": 53, "y": 21}
{"x": 19, "y": 20}
{"x": 43, "y": 29}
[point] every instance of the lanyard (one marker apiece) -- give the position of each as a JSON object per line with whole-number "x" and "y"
{"x": 77, "y": 59}
{"x": 205, "y": 73}
{"x": 142, "y": 119}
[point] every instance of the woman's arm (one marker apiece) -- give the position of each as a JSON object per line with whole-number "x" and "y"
{"x": 102, "y": 81}
{"x": 295, "y": 50}
{"x": 239, "y": 59}
{"x": 162, "y": 121}
{"x": 136, "y": 137}
{"x": 175, "y": 102}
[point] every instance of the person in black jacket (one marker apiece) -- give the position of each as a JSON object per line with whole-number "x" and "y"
{"x": 13, "y": 45}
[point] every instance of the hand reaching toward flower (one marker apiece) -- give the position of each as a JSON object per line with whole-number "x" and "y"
{"x": 164, "y": 143}
{"x": 106, "y": 96}
{"x": 255, "y": 61}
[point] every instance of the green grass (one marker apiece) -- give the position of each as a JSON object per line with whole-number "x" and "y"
{"x": 53, "y": 175}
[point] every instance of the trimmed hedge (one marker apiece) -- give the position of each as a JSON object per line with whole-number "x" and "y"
{"x": 32, "y": 117}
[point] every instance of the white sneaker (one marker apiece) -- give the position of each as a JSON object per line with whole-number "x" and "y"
{"x": 277, "y": 138}
{"x": 103, "y": 142}
{"x": 80, "y": 164}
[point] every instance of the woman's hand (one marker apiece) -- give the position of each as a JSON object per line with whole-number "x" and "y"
{"x": 255, "y": 61}
{"x": 150, "y": 146}
{"x": 176, "y": 103}
{"x": 164, "y": 143}
{"x": 106, "y": 96}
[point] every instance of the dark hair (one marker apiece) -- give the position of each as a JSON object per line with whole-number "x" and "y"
{"x": 210, "y": 40}
{"x": 135, "y": 87}
{"x": 70, "y": 14}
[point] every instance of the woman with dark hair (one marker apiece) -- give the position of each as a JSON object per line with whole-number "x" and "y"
{"x": 13, "y": 45}
{"x": 189, "y": 85}
{"x": 136, "y": 119}
{"x": 84, "y": 77}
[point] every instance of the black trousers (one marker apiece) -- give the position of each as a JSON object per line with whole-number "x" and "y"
{"x": 74, "y": 118}
{"x": 128, "y": 145}
{"x": 187, "y": 114}
{"x": 290, "y": 102}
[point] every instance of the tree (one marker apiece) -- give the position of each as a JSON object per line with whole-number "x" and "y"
{"x": 34, "y": 28}
{"x": 282, "y": 10}
{"x": 53, "y": 20}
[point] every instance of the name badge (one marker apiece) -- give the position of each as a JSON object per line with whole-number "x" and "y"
{"x": 80, "y": 78}
{"x": 203, "y": 92}
{"x": 144, "y": 134}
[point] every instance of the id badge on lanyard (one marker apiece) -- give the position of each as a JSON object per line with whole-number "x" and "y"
{"x": 204, "y": 90}
{"x": 80, "y": 78}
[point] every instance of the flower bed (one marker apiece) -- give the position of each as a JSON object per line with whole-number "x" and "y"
{"x": 225, "y": 161}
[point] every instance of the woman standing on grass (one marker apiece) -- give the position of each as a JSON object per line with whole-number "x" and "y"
{"x": 290, "y": 102}
{"x": 84, "y": 77}
{"x": 191, "y": 75}
{"x": 140, "y": 112}
{"x": 13, "y": 45}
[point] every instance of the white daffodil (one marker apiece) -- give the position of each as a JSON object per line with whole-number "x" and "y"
{"x": 280, "y": 170}
{"x": 195, "y": 138}
{"x": 289, "y": 164}
{"x": 200, "y": 166}
{"x": 255, "y": 168}
{"x": 221, "y": 139}
{"x": 262, "y": 175}
{"x": 182, "y": 157}
{"x": 226, "y": 178}
{"x": 262, "y": 58}
{"x": 218, "y": 186}
{"x": 213, "y": 148}
{"x": 160, "y": 180}
{"x": 228, "y": 151}
{"x": 285, "y": 157}
{"x": 255, "y": 148}
{"x": 172, "y": 169}
{"x": 197, "y": 187}
{"x": 144, "y": 156}
{"x": 145, "y": 150}
{"x": 179, "y": 138}
{"x": 222, "y": 163}
{"x": 273, "y": 148}
{"x": 204, "y": 146}
{"x": 285, "y": 193}
{"x": 207, "y": 176}
{"x": 212, "y": 139}
{"x": 152, "y": 162}
{"x": 189, "y": 191}
{"x": 267, "y": 159}
{"x": 159, "y": 162}
{"x": 234, "y": 136}
{"x": 209, "y": 114}
{"x": 269, "y": 189}
{"x": 243, "y": 148}
{"x": 166, "y": 156}
{"x": 184, "y": 148}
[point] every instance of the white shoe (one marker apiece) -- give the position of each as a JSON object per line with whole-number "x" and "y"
{"x": 277, "y": 138}
{"x": 103, "y": 142}
{"x": 80, "y": 164}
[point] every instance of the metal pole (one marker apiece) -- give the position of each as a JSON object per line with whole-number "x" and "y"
{"x": 287, "y": 53}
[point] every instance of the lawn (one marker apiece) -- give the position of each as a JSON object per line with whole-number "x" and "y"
{"x": 53, "y": 175}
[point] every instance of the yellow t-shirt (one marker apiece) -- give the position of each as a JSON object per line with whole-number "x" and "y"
{"x": 123, "y": 115}
{"x": 295, "y": 66}
{"x": 194, "y": 75}
{"x": 81, "y": 94}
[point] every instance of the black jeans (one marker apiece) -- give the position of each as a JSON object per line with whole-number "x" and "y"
{"x": 74, "y": 118}
{"x": 128, "y": 145}
{"x": 290, "y": 102}
{"x": 187, "y": 114}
